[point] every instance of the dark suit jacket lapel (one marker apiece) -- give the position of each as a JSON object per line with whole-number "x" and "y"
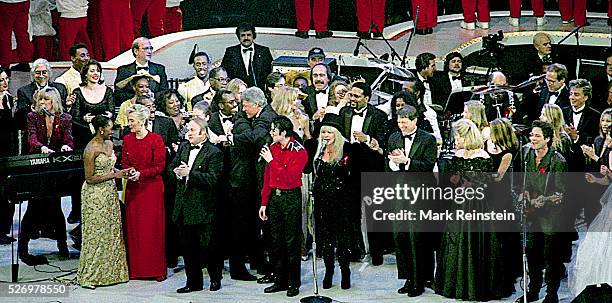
{"x": 368, "y": 119}
{"x": 416, "y": 143}
{"x": 348, "y": 120}
{"x": 201, "y": 156}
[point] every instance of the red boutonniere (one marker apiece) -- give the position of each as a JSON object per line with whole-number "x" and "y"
{"x": 542, "y": 170}
{"x": 344, "y": 160}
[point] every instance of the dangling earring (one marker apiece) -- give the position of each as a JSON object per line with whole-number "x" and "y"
{"x": 101, "y": 133}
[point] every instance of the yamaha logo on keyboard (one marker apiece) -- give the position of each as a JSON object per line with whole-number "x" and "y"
{"x": 39, "y": 161}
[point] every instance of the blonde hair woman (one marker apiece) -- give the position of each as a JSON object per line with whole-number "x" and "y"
{"x": 457, "y": 270}
{"x": 474, "y": 110}
{"x": 552, "y": 114}
{"x": 505, "y": 145}
{"x": 602, "y": 145}
{"x": 285, "y": 102}
{"x": 236, "y": 86}
{"x": 144, "y": 154}
{"x": 337, "y": 217}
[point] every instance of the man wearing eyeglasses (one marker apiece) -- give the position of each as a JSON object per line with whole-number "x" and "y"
{"x": 142, "y": 51}
{"x": 248, "y": 61}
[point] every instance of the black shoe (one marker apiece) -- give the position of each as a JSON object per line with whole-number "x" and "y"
{"x": 363, "y": 35}
{"x": 377, "y": 260}
{"x": 243, "y": 277}
{"x": 531, "y": 297}
{"x": 171, "y": 263}
{"x": 274, "y": 288}
{"x": 21, "y": 67}
{"x": 404, "y": 289}
{"x": 415, "y": 291}
{"x": 345, "y": 282}
{"x": 327, "y": 279}
{"x": 293, "y": 291}
{"x": 420, "y": 32}
{"x": 322, "y": 35}
{"x": 551, "y": 298}
{"x": 73, "y": 218}
{"x": 428, "y": 31}
{"x": 377, "y": 34}
{"x": 62, "y": 247}
{"x": 187, "y": 289}
{"x": 303, "y": 35}
{"x": 214, "y": 285}
{"x": 31, "y": 260}
{"x": 428, "y": 284}
{"x": 4, "y": 239}
{"x": 269, "y": 278}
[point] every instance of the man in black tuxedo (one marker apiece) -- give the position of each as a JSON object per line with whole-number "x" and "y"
{"x": 426, "y": 68}
{"x": 318, "y": 92}
{"x": 412, "y": 150}
{"x": 534, "y": 59}
{"x": 555, "y": 92}
{"x": 234, "y": 214}
{"x": 248, "y": 61}
{"x": 197, "y": 169}
{"x": 41, "y": 73}
{"x": 583, "y": 122}
{"x": 142, "y": 51}
{"x": 363, "y": 123}
{"x": 452, "y": 77}
{"x": 250, "y": 133}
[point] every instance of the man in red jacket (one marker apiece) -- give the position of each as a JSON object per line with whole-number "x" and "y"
{"x": 281, "y": 191}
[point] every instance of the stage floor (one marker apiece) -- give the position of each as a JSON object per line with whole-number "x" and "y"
{"x": 369, "y": 283}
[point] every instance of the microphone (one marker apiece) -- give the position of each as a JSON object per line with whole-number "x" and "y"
{"x": 356, "y": 51}
{"x": 322, "y": 148}
{"x": 46, "y": 111}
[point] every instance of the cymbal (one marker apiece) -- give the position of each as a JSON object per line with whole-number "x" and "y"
{"x": 520, "y": 128}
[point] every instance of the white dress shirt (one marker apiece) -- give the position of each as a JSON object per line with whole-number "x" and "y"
{"x": 427, "y": 96}
{"x": 407, "y": 147}
{"x": 576, "y": 117}
{"x": 357, "y": 123}
{"x": 552, "y": 99}
{"x": 456, "y": 85}
{"x": 247, "y": 56}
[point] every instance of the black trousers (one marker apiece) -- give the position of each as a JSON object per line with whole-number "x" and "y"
{"x": 285, "y": 214}
{"x": 415, "y": 257}
{"x": 543, "y": 251}
{"x": 7, "y": 211}
{"x": 172, "y": 234}
{"x": 194, "y": 252}
{"x": 244, "y": 229}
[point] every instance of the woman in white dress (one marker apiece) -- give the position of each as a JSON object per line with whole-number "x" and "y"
{"x": 593, "y": 259}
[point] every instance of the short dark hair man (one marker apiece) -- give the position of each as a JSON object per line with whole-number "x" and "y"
{"x": 248, "y": 60}
{"x": 281, "y": 191}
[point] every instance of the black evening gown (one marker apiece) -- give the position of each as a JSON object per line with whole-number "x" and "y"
{"x": 80, "y": 129}
{"x": 471, "y": 263}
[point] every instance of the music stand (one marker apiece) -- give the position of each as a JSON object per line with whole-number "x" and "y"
{"x": 454, "y": 104}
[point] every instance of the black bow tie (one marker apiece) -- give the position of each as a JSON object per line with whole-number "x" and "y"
{"x": 554, "y": 93}
{"x": 139, "y": 68}
{"x": 577, "y": 112}
{"x": 192, "y": 147}
{"x": 225, "y": 119}
{"x": 360, "y": 114}
{"x": 426, "y": 81}
{"x": 409, "y": 137}
{"x": 457, "y": 78}
{"x": 320, "y": 92}
{"x": 248, "y": 49}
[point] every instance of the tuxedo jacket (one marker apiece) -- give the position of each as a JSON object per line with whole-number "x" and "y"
{"x": 125, "y": 71}
{"x": 261, "y": 65}
{"x": 600, "y": 91}
{"x": 374, "y": 124}
{"x": 442, "y": 87}
{"x": 310, "y": 103}
{"x": 588, "y": 126}
{"x": 195, "y": 201}
{"x": 562, "y": 99}
{"x": 37, "y": 132}
{"x": 422, "y": 153}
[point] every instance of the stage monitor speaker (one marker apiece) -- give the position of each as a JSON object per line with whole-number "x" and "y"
{"x": 601, "y": 293}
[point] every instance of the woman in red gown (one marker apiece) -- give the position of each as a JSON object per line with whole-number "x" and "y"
{"x": 144, "y": 153}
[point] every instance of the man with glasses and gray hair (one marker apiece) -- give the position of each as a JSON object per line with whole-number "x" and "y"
{"x": 142, "y": 51}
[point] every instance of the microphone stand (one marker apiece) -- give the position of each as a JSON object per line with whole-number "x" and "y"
{"x": 315, "y": 298}
{"x": 416, "y": 20}
{"x": 393, "y": 52}
{"x": 524, "y": 224}
{"x": 359, "y": 44}
{"x": 575, "y": 32}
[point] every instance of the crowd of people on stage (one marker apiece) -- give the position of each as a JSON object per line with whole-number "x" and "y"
{"x": 221, "y": 168}
{"x": 57, "y": 24}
